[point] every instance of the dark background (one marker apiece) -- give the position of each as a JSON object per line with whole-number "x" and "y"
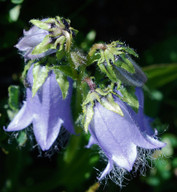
{"x": 150, "y": 27}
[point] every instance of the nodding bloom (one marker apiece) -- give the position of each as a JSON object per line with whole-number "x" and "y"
{"x": 47, "y": 111}
{"x": 137, "y": 79}
{"x": 30, "y": 40}
{"x": 119, "y": 136}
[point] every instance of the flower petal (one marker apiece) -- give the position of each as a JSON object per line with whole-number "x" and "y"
{"x": 31, "y": 38}
{"x": 46, "y": 134}
{"x": 107, "y": 170}
{"x": 91, "y": 142}
{"x": 110, "y": 132}
{"x": 54, "y": 111}
{"x": 143, "y": 134}
{"x": 23, "y": 118}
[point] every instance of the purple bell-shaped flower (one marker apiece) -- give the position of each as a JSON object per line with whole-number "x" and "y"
{"x": 47, "y": 111}
{"x": 33, "y": 37}
{"x": 119, "y": 136}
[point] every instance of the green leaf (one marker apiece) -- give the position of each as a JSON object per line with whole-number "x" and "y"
{"x": 109, "y": 103}
{"x": 88, "y": 115}
{"x": 40, "y": 73}
{"x": 13, "y": 100}
{"x": 160, "y": 75}
{"x": 17, "y": 1}
{"x": 44, "y": 46}
{"x": 14, "y": 13}
{"x": 40, "y": 24}
{"x": 63, "y": 82}
{"x": 22, "y": 138}
{"x": 129, "y": 97}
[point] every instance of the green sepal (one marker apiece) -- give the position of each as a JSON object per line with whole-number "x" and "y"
{"x": 92, "y": 59}
{"x": 107, "y": 71}
{"x": 40, "y": 24}
{"x": 68, "y": 40}
{"x": 62, "y": 82}
{"x": 78, "y": 59}
{"x": 92, "y": 96}
{"x": 13, "y": 100}
{"x": 109, "y": 103}
{"x": 128, "y": 96}
{"x": 130, "y": 51}
{"x": 27, "y": 66}
{"x": 44, "y": 46}
{"x": 88, "y": 115}
{"x": 125, "y": 63}
{"x": 60, "y": 22}
{"x": 60, "y": 41}
{"x": 65, "y": 69}
{"x": 39, "y": 76}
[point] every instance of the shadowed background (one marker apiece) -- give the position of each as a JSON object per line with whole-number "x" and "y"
{"x": 150, "y": 27}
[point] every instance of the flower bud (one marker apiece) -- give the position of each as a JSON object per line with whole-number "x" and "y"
{"x": 114, "y": 60}
{"x": 47, "y": 36}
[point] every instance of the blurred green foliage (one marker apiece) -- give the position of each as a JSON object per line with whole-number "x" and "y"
{"x": 23, "y": 167}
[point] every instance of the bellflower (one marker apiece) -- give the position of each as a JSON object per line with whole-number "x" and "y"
{"x": 119, "y": 136}
{"x": 47, "y": 111}
{"x": 137, "y": 79}
{"x": 31, "y": 39}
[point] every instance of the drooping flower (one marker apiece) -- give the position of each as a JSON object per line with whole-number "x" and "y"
{"x": 47, "y": 111}
{"x": 119, "y": 136}
{"x": 31, "y": 39}
{"x": 137, "y": 79}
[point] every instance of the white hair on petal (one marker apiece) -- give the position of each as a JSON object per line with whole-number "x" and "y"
{"x": 121, "y": 176}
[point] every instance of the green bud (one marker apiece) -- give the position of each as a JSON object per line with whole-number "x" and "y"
{"x": 108, "y": 56}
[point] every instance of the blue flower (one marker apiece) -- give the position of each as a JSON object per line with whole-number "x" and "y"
{"x": 30, "y": 40}
{"x": 119, "y": 136}
{"x": 47, "y": 111}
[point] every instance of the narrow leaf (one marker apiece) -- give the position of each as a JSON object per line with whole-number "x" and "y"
{"x": 159, "y": 75}
{"x": 13, "y": 100}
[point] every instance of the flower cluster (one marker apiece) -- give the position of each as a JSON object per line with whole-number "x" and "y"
{"x": 112, "y": 97}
